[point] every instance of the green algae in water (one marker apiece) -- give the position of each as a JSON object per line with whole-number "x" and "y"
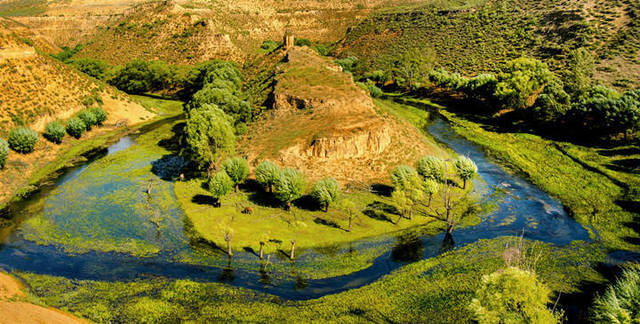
{"x": 105, "y": 207}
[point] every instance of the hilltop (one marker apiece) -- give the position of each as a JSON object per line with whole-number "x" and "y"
{"x": 324, "y": 124}
{"x": 473, "y": 37}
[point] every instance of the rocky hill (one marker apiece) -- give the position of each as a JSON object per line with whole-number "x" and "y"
{"x": 474, "y": 36}
{"x": 323, "y": 124}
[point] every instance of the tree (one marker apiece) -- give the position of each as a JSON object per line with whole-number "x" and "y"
{"x": 264, "y": 238}
{"x": 22, "y": 139}
{"x": 401, "y": 201}
{"x": 289, "y": 185}
{"x": 431, "y": 167}
{"x": 209, "y": 135}
{"x": 466, "y": 169}
{"x": 224, "y": 98}
{"x": 237, "y": 168}
{"x": 99, "y": 114}
{"x": 413, "y": 66}
{"x": 349, "y": 207}
{"x": 512, "y": 295}
{"x": 402, "y": 175}
{"x": 292, "y": 254}
{"x": 409, "y": 196}
{"x": 220, "y": 185}
{"x": 92, "y": 67}
{"x": 228, "y": 235}
{"x": 521, "y": 81}
{"x": 76, "y": 127}
{"x": 266, "y": 174}
{"x": 54, "y": 132}
{"x": 620, "y": 303}
{"x": 430, "y": 189}
{"x": 578, "y": 74}
{"x": 4, "y": 153}
{"x": 325, "y": 191}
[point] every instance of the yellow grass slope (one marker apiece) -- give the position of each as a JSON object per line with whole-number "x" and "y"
{"x": 325, "y": 125}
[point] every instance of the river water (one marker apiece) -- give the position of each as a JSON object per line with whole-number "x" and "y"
{"x": 81, "y": 209}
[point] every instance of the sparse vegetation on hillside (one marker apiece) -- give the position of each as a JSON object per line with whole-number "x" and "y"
{"x": 4, "y": 152}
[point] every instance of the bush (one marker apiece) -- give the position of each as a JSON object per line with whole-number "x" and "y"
{"x": 374, "y": 91}
{"x": 99, "y": 114}
{"x": 91, "y": 67}
{"x": 431, "y": 167}
{"x": 4, "y": 153}
{"x": 54, "y": 132}
{"x": 266, "y": 174}
{"x": 512, "y": 295}
{"x": 88, "y": 118}
{"x": 220, "y": 184}
{"x": 402, "y": 176}
{"x": 269, "y": 45}
{"x": 322, "y": 50}
{"x": 22, "y": 140}
{"x": 237, "y": 168}
{"x": 76, "y": 127}
{"x": 621, "y": 301}
{"x": 289, "y": 185}
{"x": 302, "y": 42}
{"x": 347, "y": 64}
{"x": 325, "y": 191}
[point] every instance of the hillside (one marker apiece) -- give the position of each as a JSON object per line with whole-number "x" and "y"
{"x": 323, "y": 124}
{"x": 475, "y": 36}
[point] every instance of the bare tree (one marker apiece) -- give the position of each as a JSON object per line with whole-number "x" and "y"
{"x": 227, "y": 238}
{"x": 292, "y": 256}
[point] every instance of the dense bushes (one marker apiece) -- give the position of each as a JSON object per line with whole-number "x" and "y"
{"x": 88, "y": 118}
{"x": 92, "y": 67}
{"x": 141, "y": 76}
{"x": 22, "y": 140}
{"x": 208, "y": 134}
{"x": 266, "y": 174}
{"x": 76, "y": 127}
{"x": 620, "y": 303}
{"x": 54, "y": 132}
{"x": 4, "y": 153}
{"x": 99, "y": 114}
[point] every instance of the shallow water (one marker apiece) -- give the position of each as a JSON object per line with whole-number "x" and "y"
{"x": 103, "y": 206}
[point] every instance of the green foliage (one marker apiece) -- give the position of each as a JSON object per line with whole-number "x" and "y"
{"x": 373, "y": 90}
{"x": 602, "y": 115}
{"x": 482, "y": 86}
{"x": 620, "y": 303}
{"x": 54, "y": 132}
{"x": 553, "y": 103}
{"x": 269, "y": 45}
{"x": 22, "y": 140}
{"x": 411, "y": 69}
{"x": 92, "y": 67}
{"x": 578, "y": 75}
{"x": 289, "y": 185}
{"x": 76, "y": 127}
{"x": 150, "y": 311}
{"x": 4, "y": 152}
{"x": 220, "y": 184}
{"x": 99, "y": 114}
{"x": 465, "y": 168}
{"x": 512, "y": 295}
{"x": 325, "y": 191}
{"x": 208, "y": 135}
{"x": 430, "y": 187}
{"x": 88, "y": 118}
{"x": 266, "y": 174}
{"x": 444, "y": 79}
{"x": 402, "y": 175}
{"x": 431, "y": 167}
{"x": 347, "y": 64}
{"x": 520, "y": 81}
{"x": 66, "y": 53}
{"x": 237, "y": 168}
{"x": 322, "y": 50}
{"x": 139, "y": 76}
{"x": 214, "y": 93}
{"x": 302, "y": 42}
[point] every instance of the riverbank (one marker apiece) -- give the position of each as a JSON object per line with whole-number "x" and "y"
{"x": 592, "y": 183}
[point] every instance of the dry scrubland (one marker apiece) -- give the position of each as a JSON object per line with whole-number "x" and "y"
{"x": 324, "y": 125}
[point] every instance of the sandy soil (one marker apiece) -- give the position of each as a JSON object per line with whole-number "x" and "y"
{"x": 14, "y": 311}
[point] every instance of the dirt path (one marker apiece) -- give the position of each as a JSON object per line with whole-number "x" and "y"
{"x": 14, "y": 311}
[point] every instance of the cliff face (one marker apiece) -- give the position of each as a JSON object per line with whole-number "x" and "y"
{"x": 324, "y": 125}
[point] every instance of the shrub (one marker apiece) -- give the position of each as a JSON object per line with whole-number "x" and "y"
{"x": 4, "y": 153}
{"x": 431, "y": 167}
{"x": 347, "y": 64}
{"x": 322, "y": 50}
{"x": 22, "y": 140}
{"x": 91, "y": 67}
{"x": 621, "y": 301}
{"x": 220, "y": 184}
{"x": 325, "y": 191}
{"x": 88, "y": 118}
{"x": 99, "y": 114}
{"x": 374, "y": 91}
{"x": 402, "y": 175}
{"x": 512, "y": 295}
{"x": 237, "y": 168}
{"x": 266, "y": 174}
{"x": 54, "y": 132}
{"x": 302, "y": 42}
{"x": 76, "y": 127}
{"x": 289, "y": 185}
{"x": 269, "y": 45}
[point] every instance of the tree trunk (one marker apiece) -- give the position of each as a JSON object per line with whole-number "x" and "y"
{"x": 261, "y": 250}
{"x": 229, "y": 248}
{"x": 270, "y": 188}
{"x": 237, "y": 187}
{"x": 292, "y": 256}
{"x": 450, "y": 229}
{"x": 349, "y": 225}
{"x": 430, "y": 197}
{"x": 411, "y": 214}
{"x": 464, "y": 183}
{"x": 287, "y": 206}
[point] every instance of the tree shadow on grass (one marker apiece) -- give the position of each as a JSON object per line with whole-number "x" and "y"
{"x": 379, "y": 210}
{"x": 264, "y": 199}
{"x": 327, "y": 222}
{"x": 250, "y": 250}
{"x": 625, "y": 165}
{"x": 307, "y": 202}
{"x": 205, "y": 200}
{"x": 382, "y": 189}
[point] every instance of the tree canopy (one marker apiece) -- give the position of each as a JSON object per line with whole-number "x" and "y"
{"x": 289, "y": 185}
{"x": 209, "y": 135}
{"x": 520, "y": 81}
{"x": 325, "y": 191}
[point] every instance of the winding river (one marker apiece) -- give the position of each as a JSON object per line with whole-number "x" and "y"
{"x": 82, "y": 206}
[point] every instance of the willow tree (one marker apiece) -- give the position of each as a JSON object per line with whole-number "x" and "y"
{"x": 466, "y": 169}
{"x": 266, "y": 174}
{"x": 238, "y": 169}
{"x": 289, "y": 186}
{"x": 209, "y": 135}
{"x": 325, "y": 191}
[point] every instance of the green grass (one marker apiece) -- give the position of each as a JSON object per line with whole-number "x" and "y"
{"x": 437, "y": 290}
{"x": 580, "y": 177}
{"x": 159, "y": 106}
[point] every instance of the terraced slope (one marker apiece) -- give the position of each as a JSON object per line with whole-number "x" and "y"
{"x": 474, "y": 36}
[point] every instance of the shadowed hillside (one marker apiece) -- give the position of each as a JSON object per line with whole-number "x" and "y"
{"x": 480, "y": 35}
